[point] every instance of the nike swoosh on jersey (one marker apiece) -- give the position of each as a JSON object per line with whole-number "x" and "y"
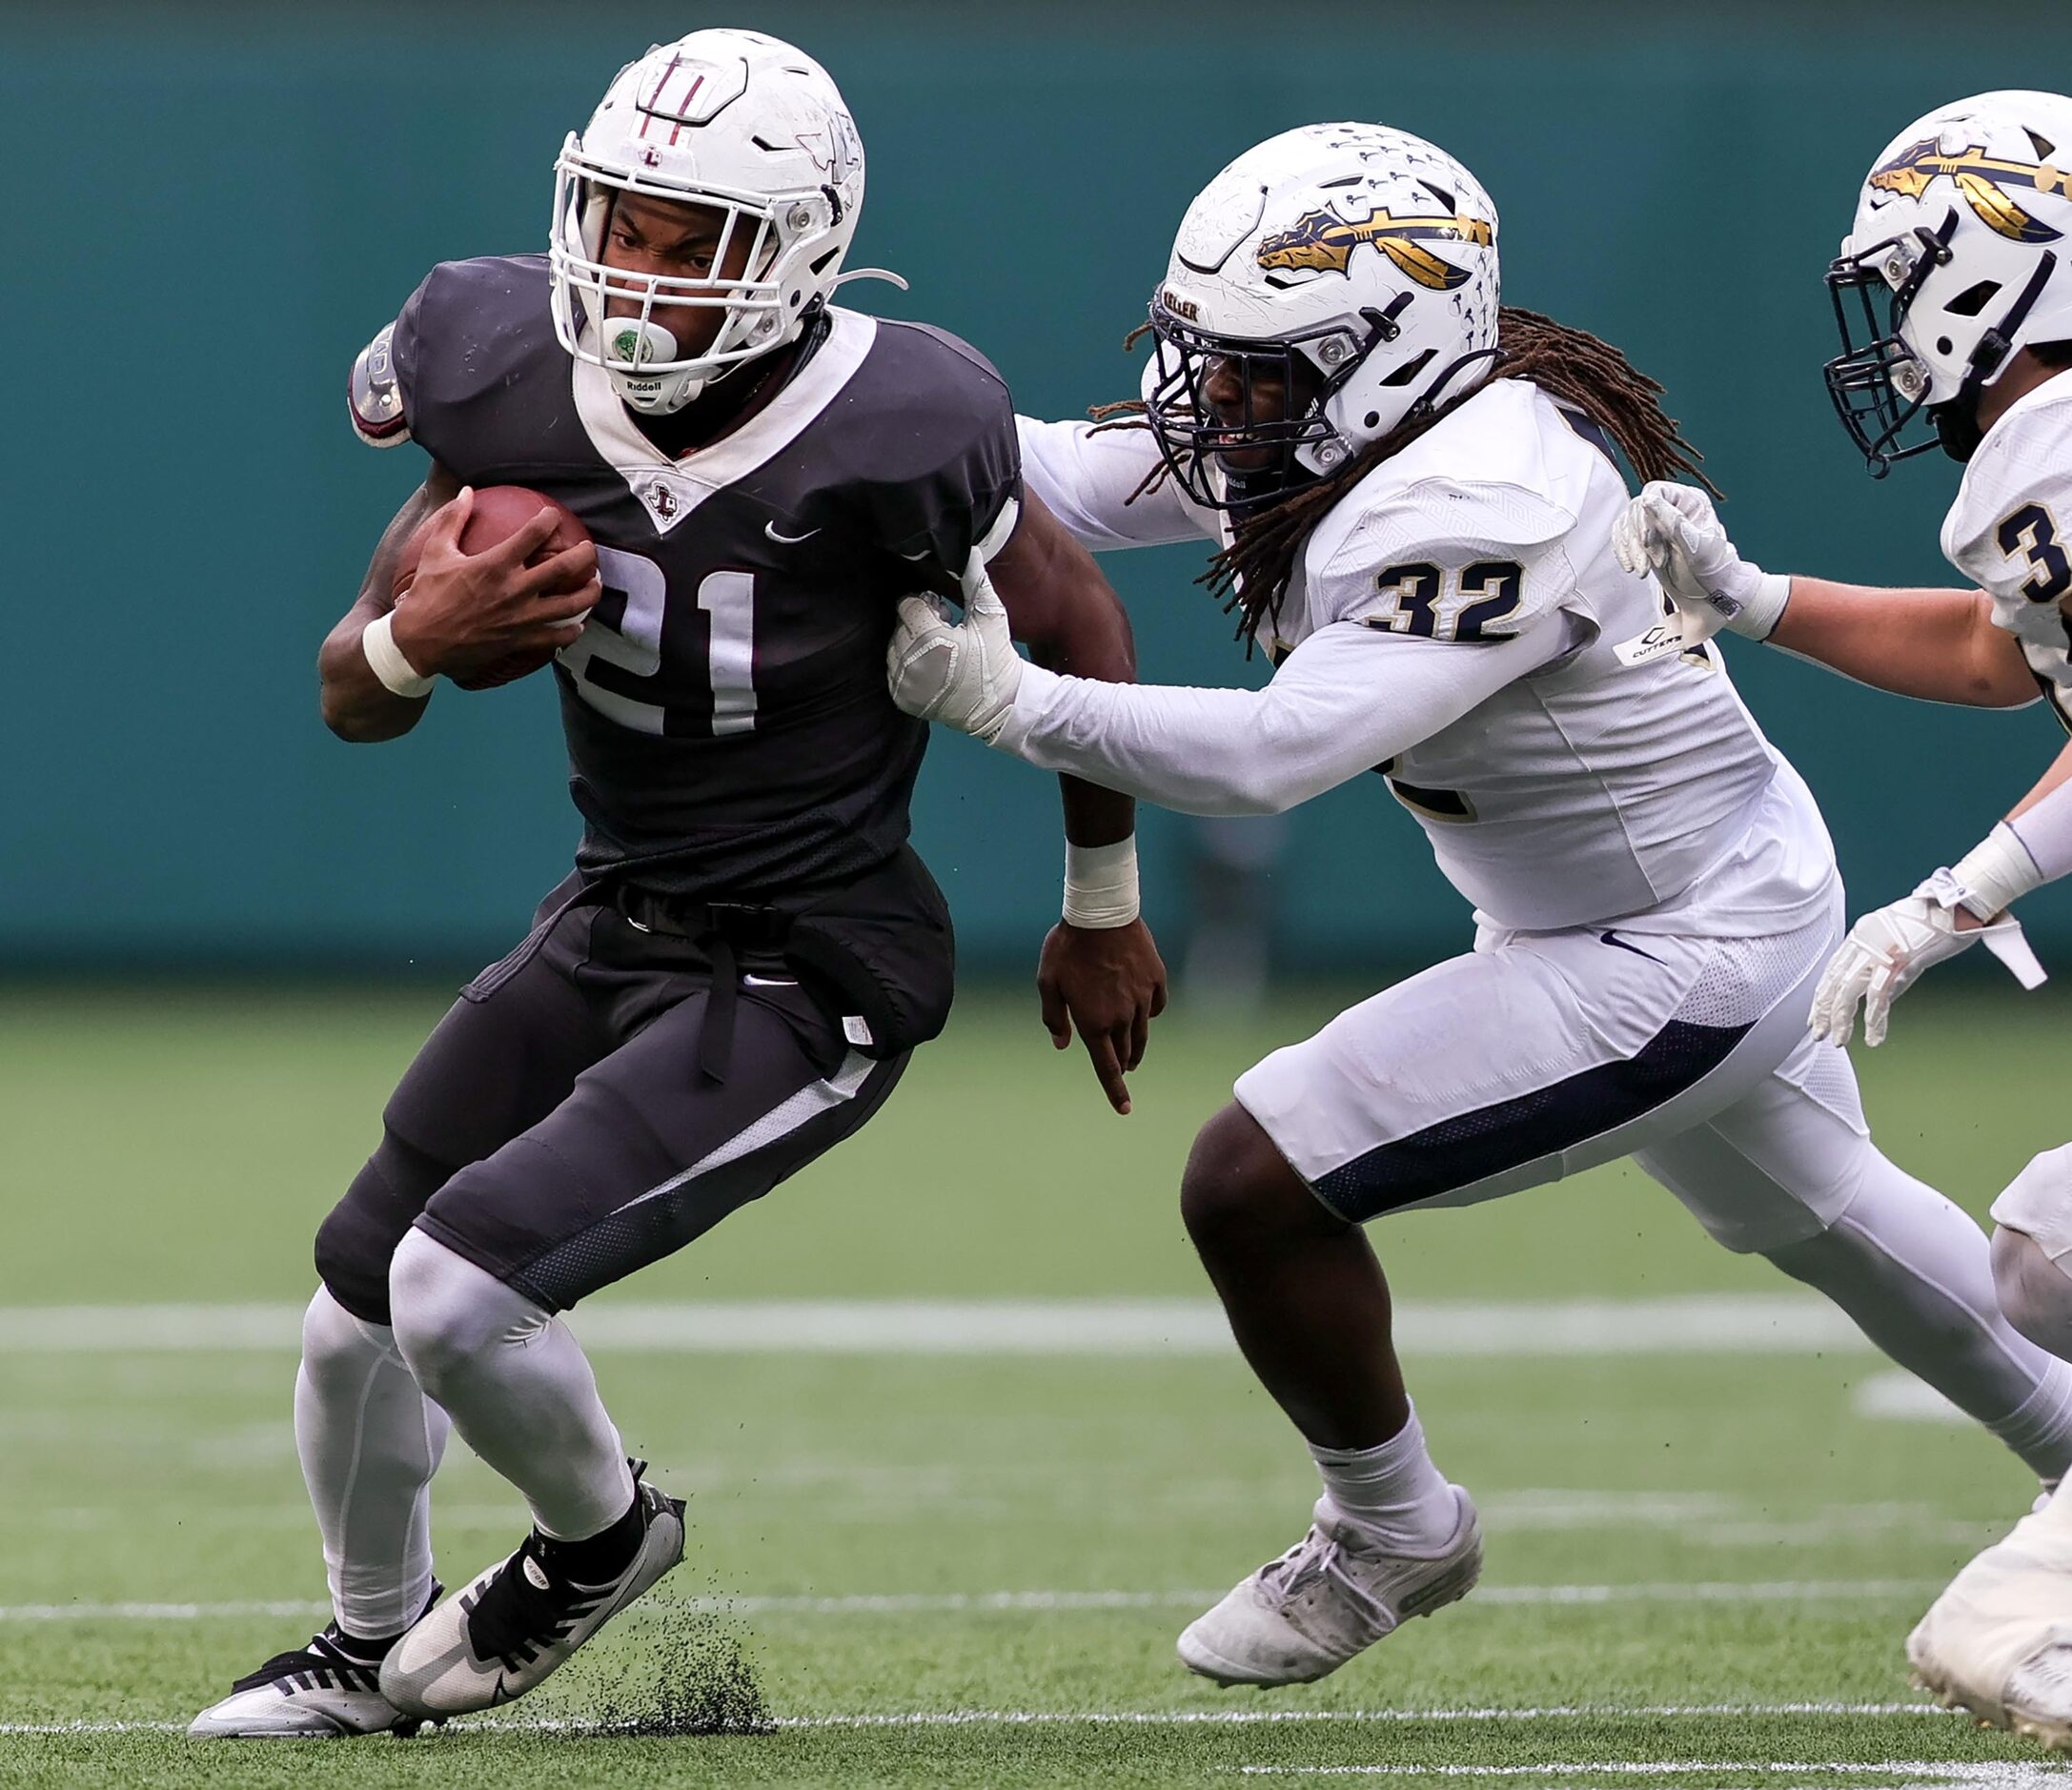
{"x": 788, "y": 541}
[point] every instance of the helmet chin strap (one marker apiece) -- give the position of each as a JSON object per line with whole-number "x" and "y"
{"x": 1957, "y": 421}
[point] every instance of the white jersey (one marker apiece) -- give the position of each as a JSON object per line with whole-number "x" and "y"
{"x": 1457, "y": 613}
{"x": 2010, "y": 530}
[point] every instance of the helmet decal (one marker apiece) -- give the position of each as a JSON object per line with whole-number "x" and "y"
{"x": 755, "y": 136}
{"x": 1978, "y": 176}
{"x": 1279, "y": 350}
{"x": 1323, "y": 241}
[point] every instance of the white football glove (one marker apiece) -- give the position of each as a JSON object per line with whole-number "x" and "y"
{"x": 963, "y": 674}
{"x": 1672, "y": 532}
{"x": 1885, "y": 952}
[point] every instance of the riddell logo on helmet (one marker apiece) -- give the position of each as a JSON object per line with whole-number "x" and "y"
{"x": 1185, "y": 309}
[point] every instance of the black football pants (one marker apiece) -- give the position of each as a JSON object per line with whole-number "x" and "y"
{"x": 558, "y": 1133}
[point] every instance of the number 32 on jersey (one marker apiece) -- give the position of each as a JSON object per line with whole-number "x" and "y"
{"x": 618, "y": 659}
{"x": 1483, "y": 595}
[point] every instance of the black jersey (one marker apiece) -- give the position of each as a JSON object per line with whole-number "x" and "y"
{"x": 729, "y": 730}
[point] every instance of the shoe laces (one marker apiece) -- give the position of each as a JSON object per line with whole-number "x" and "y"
{"x": 1319, "y": 1559}
{"x": 2045, "y": 1677}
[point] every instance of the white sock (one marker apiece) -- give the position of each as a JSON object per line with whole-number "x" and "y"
{"x": 518, "y": 1384}
{"x": 1914, "y": 1271}
{"x": 369, "y": 1442}
{"x": 1393, "y": 1492}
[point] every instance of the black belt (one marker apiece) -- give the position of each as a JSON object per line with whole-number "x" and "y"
{"x": 721, "y": 931}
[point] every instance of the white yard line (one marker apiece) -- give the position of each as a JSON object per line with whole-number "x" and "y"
{"x": 1135, "y": 1719}
{"x": 980, "y": 1602}
{"x": 2001, "y": 1774}
{"x": 1899, "y": 1396}
{"x": 1708, "y": 1519}
{"x": 1697, "y": 1324}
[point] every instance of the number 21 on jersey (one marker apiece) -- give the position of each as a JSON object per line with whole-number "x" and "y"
{"x": 617, "y": 661}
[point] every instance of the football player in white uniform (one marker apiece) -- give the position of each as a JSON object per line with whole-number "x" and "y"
{"x": 1415, "y": 493}
{"x": 1955, "y": 301}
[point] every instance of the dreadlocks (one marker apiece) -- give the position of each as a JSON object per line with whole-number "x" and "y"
{"x": 1572, "y": 366}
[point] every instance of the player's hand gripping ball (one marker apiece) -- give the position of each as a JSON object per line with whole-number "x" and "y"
{"x": 531, "y": 601}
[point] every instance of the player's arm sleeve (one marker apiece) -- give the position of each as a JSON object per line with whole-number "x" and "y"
{"x": 1107, "y": 485}
{"x": 2045, "y": 824}
{"x": 378, "y": 392}
{"x": 1348, "y": 698}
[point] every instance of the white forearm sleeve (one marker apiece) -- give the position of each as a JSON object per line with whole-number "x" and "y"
{"x": 1086, "y": 478}
{"x": 2046, "y": 832}
{"x": 1344, "y": 700}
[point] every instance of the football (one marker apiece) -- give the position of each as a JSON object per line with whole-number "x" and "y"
{"x": 500, "y": 511}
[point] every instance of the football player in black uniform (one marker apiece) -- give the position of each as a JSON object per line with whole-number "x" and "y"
{"x": 733, "y": 977}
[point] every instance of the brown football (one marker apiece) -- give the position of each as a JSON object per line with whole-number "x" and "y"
{"x": 500, "y": 511}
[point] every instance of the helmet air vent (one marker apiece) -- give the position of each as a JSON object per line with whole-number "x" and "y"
{"x": 1974, "y": 300}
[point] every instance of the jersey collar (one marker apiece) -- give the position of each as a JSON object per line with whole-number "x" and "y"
{"x": 670, "y": 490}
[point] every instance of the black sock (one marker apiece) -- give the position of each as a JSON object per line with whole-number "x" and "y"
{"x": 367, "y": 1651}
{"x": 600, "y": 1557}
{"x": 370, "y": 1650}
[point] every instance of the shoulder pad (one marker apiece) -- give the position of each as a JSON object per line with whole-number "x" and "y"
{"x": 376, "y": 396}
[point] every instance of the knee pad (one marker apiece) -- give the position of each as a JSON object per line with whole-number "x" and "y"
{"x": 358, "y": 1236}
{"x": 448, "y": 1313}
{"x": 2037, "y": 1202}
{"x": 334, "y": 1343}
{"x": 2035, "y": 1291}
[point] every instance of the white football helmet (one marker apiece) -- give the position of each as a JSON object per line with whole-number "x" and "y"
{"x": 734, "y": 121}
{"x": 1962, "y": 234}
{"x": 1348, "y": 260}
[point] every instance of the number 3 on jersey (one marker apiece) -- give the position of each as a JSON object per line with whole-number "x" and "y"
{"x": 2031, "y": 532}
{"x": 617, "y": 661}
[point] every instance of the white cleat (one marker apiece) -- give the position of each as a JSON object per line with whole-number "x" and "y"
{"x": 1328, "y": 1597}
{"x": 1999, "y": 1640}
{"x": 518, "y": 1622}
{"x": 316, "y": 1693}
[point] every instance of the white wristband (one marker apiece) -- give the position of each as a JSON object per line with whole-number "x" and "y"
{"x": 1996, "y": 873}
{"x": 1100, "y": 884}
{"x": 398, "y": 676}
{"x": 1760, "y": 614}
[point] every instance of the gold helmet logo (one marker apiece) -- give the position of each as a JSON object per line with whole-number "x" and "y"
{"x": 1324, "y": 241}
{"x": 1979, "y": 177}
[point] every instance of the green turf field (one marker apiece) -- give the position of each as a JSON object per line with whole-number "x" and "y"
{"x": 967, "y": 1566}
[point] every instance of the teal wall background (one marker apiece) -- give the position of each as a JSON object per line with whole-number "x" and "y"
{"x": 212, "y": 207}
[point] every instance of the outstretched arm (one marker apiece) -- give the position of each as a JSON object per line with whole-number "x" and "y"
{"x": 1348, "y": 698}
{"x": 1936, "y": 645}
